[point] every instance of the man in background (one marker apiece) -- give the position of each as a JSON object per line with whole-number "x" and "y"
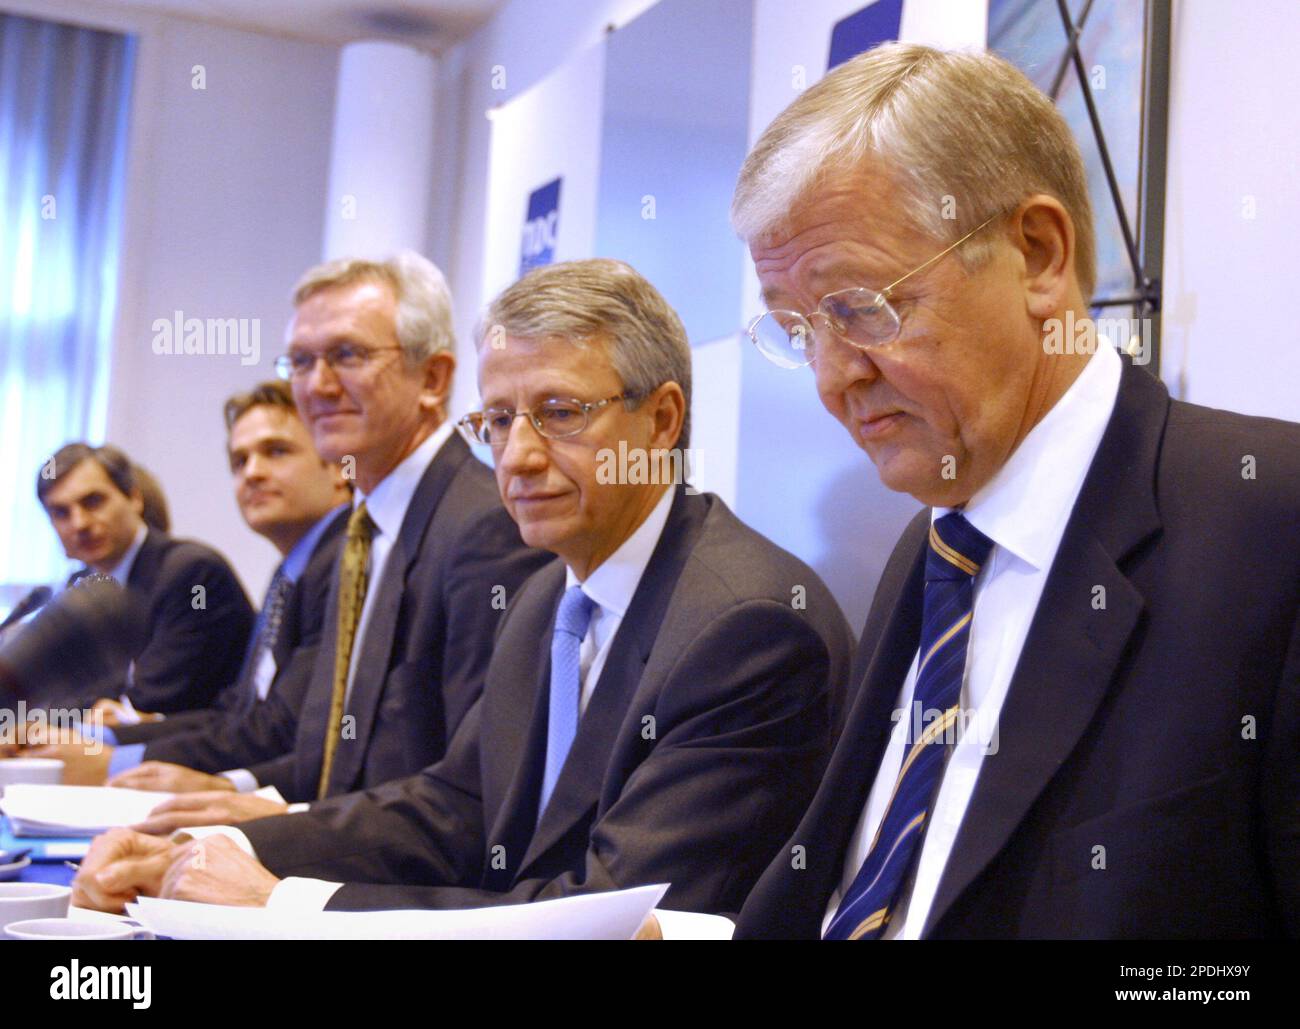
{"x": 295, "y": 499}
{"x": 197, "y": 616}
{"x": 429, "y": 561}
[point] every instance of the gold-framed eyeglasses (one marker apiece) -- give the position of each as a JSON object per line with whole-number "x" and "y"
{"x": 554, "y": 418}
{"x": 861, "y": 316}
{"x": 343, "y": 357}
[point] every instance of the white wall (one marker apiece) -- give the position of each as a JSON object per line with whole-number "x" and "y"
{"x": 1232, "y": 213}
{"x": 224, "y": 209}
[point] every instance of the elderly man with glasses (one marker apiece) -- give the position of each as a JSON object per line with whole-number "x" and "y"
{"x": 1079, "y": 710}
{"x": 660, "y": 700}
{"x": 428, "y": 560}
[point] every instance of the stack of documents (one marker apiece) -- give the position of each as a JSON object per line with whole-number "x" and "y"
{"x": 75, "y": 810}
{"x": 81, "y": 811}
{"x": 592, "y": 916}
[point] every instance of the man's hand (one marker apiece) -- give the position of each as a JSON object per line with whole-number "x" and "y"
{"x": 121, "y": 866}
{"x": 168, "y": 778}
{"x": 214, "y": 870}
{"x": 84, "y": 764}
{"x": 650, "y": 929}
{"x": 190, "y": 809}
{"x": 115, "y": 713}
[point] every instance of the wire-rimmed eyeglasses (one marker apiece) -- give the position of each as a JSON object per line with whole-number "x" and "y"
{"x": 861, "y": 316}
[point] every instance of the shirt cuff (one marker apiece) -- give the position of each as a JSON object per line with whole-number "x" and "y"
{"x": 690, "y": 925}
{"x": 125, "y": 758}
{"x": 105, "y": 735}
{"x": 300, "y": 896}
{"x": 244, "y": 780}
{"x": 297, "y": 809}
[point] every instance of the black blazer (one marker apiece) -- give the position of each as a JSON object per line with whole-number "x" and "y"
{"x": 191, "y": 654}
{"x": 455, "y": 562}
{"x": 699, "y": 747}
{"x": 237, "y": 733}
{"x": 1164, "y": 727}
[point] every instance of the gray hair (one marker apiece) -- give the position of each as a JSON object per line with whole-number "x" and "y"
{"x": 601, "y": 299}
{"x": 965, "y": 128}
{"x": 423, "y": 300}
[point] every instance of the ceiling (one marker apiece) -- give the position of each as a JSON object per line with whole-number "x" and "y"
{"x": 428, "y": 24}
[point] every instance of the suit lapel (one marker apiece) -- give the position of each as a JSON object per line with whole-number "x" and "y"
{"x": 581, "y": 781}
{"x": 891, "y": 636}
{"x": 376, "y": 657}
{"x": 313, "y": 719}
{"x": 1072, "y": 649}
{"x": 515, "y": 708}
{"x": 148, "y": 562}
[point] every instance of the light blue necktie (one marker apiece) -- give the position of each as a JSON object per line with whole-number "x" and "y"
{"x": 566, "y": 686}
{"x": 957, "y": 550}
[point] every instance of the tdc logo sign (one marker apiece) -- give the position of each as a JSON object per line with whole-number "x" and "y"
{"x": 541, "y": 227}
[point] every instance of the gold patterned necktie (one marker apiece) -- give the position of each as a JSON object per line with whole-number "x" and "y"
{"x": 353, "y": 579}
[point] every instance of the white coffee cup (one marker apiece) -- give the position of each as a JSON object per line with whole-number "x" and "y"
{"x": 43, "y": 771}
{"x": 70, "y": 929}
{"x": 21, "y": 901}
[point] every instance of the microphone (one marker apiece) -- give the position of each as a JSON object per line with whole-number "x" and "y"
{"x": 76, "y": 636}
{"x": 37, "y": 598}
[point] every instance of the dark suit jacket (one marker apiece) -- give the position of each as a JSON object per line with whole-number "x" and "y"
{"x": 239, "y": 733}
{"x": 190, "y": 654}
{"x": 698, "y": 749}
{"x": 1164, "y": 727}
{"x": 456, "y": 560}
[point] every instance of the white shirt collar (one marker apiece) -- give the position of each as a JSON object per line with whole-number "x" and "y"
{"x": 1025, "y": 506}
{"x": 122, "y": 571}
{"x": 614, "y": 582}
{"x": 388, "y": 501}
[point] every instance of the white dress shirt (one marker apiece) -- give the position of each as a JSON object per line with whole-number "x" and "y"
{"x": 386, "y": 505}
{"x": 611, "y": 587}
{"x": 1023, "y": 509}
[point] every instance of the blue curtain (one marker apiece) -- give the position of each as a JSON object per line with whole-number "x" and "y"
{"x": 64, "y": 105}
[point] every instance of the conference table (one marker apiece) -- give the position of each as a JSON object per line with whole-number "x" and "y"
{"x": 58, "y": 872}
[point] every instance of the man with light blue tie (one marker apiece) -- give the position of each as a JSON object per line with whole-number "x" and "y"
{"x": 659, "y": 700}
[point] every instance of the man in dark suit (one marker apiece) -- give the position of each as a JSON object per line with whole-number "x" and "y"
{"x": 661, "y": 697}
{"x": 1103, "y": 587}
{"x": 430, "y": 558}
{"x": 287, "y": 493}
{"x": 197, "y": 616}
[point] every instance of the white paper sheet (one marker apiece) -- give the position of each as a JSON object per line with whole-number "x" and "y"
{"x": 592, "y": 916}
{"x": 37, "y": 811}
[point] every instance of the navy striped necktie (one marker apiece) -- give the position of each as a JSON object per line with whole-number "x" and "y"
{"x": 957, "y": 550}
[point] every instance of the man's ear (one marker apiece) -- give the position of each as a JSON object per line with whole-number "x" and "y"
{"x": 137, "y": 501}
{"x": 667, "y": 409}
{"x": 1043, "y": 231}
{"x": 436, "y": 388}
